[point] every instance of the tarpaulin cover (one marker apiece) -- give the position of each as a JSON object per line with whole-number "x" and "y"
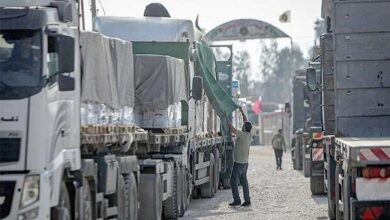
{"x": 108, "y": 70}
{"x": 159, "y": 81}
{"x": 220, "y": 100}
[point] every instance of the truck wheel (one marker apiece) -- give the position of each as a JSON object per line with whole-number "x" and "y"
{"x": 172, "y": 206}
{"x": 120, "y": 197}
{"x": 83, "y": 206}
{"x": 63, "y": 210}
{"x": 317, "y": 185}
{"x": 307, "y": 167}
{"x": 207, "y": 189}
{"x": 216, "y": 171}
{"x": 150, "y": 197}
{"x": 131, "y": 195}
{"x": 337, "y": 192}
{"x": 185, "y": 198}
{"x": 226, "y": 183}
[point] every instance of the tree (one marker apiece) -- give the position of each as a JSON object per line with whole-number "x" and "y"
{"x": 241, "y": 70}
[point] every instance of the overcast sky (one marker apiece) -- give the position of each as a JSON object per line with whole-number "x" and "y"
{"x": 215, "y": 12}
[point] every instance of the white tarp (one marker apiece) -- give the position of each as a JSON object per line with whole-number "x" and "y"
{"x": 108, "y": 70}
{"x": 146, "y": 28}
{"x": 159, "y": 81}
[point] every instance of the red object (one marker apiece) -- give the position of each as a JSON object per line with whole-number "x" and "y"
{"x": 257, "y": 107}
{"x": 376, "y": 172}
{"x": 372, "y": 213}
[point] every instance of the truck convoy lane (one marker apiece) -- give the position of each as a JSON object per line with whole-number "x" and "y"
{"x": 112, "y": 124}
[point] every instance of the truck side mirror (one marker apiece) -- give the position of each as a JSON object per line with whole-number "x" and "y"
{"x": 311, "y": 79}
{"x": 197, "y": 88}
{"x": 66, "y": 83}
{"x": 63, "y": 45}
{"x": 66, "y": 54}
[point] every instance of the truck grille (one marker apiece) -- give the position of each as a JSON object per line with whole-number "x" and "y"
{"x": 9, "y": 149}
{"x": 6, "y": 194}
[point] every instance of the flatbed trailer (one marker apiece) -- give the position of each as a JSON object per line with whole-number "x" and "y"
{"x": 362, "y": 178}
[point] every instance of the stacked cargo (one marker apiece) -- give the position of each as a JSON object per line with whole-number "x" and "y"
{"x": 107, "y": 81}
{"x": 160, "y": 87}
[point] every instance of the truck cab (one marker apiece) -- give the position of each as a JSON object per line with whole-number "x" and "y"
{"x": 38, "y": 86}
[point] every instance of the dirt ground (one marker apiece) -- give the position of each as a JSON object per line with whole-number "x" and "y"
{"x": 275, "y": 194}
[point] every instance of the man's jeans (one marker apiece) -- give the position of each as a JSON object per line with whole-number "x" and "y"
{"x": 239, "y": 176}
{"x": 278, "y": 157}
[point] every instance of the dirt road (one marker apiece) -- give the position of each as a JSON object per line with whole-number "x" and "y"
{"x": 275, "y": 194}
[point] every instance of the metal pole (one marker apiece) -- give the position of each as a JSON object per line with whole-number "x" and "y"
{"x": 82, "y": 14}
{"x": 93, "y": 9}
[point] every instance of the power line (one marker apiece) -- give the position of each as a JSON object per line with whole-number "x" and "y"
{"x": 101, "y": 5}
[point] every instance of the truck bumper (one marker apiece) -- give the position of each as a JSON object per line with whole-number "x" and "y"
{"x": 11, "y": 188}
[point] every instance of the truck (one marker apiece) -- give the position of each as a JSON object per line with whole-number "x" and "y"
{"x": 313, "y": 165}
{"x": 82, "y": 135}
{"x": 355, "y": 86}
{"x": 299, "y": 115}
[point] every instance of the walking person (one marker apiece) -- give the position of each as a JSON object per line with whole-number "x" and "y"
{"x": 279, "y": 146}
{"x": 240, "y": 166}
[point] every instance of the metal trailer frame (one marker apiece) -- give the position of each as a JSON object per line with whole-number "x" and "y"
{"x": 350, "y": 159}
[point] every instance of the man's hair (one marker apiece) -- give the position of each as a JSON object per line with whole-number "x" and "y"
{"x": 247, "y": 126}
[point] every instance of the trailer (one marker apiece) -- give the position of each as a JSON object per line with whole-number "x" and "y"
{"x": 85, "y": 135}
{"x": 355, "y": 91}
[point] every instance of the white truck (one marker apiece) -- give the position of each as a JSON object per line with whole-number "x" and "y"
{"x": 68, "y": 146}
{"x": 356, "y": 88}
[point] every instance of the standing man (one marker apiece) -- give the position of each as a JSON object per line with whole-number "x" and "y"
{"x": 240, "y": 166}
{"x": 279, "y": 146}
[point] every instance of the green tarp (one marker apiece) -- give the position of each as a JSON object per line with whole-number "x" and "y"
{"x": 220, "y": 101}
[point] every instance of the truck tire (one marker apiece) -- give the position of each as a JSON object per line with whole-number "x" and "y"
{"x": 216, "y": 171}
{"x": 131, "y": 197}
{"x": 207, "y": 189}
{"x": 63, "y": 210}
{"x": 172, "y": 206}
{"x": 150, "y": 197}
{"x": 307, "y": 167}
{"x": 121, "y": 197}
{"x": 337, "y": 192}
{"x": 185, "y": 188}
{"x": 317, "y": 185}
{"x": 83, "y": 204}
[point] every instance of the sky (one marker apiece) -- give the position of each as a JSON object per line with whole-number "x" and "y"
{"x": 215, "y": 12}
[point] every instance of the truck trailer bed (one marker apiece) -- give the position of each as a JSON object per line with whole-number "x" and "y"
{"x": 361, "y": 151}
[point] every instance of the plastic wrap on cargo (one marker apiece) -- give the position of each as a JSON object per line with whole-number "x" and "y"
{"x": 160, "y": 118}
{"x": 127, "y": 115}
{"x": 90, "y": 113}
{"x": 159, "y": 81}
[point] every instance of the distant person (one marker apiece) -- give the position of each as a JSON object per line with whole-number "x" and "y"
{"x": 240, "y": 166}
{"x": 279, "y": 146}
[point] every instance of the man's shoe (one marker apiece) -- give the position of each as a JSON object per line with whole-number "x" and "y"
{"x": 235, "y": 204}
{"x": 246, "y": 204}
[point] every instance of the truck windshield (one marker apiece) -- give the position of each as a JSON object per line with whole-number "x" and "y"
{"x": 20, "y": 63}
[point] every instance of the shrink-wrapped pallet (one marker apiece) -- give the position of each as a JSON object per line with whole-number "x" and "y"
{"x": 107, "y": 87}
{"x": 160, "y": 86}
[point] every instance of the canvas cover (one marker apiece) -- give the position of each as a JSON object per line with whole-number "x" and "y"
{"x": 146, "y": 28}
{"x": 107, "y": 70}
{"x": 159, "y": 81}
{"x": 219, "y": 99}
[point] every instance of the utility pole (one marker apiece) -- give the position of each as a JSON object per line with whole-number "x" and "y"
{"x": 93, "y": 9}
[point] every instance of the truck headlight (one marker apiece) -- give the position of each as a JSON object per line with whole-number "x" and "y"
{"x": 30, "y": 193}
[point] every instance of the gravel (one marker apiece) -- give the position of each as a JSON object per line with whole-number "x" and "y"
{"x": 275, "y": 194}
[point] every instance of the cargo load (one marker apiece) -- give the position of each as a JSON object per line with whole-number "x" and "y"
{"x": 107, "y": 87}
{"x": 160, "y": 86}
